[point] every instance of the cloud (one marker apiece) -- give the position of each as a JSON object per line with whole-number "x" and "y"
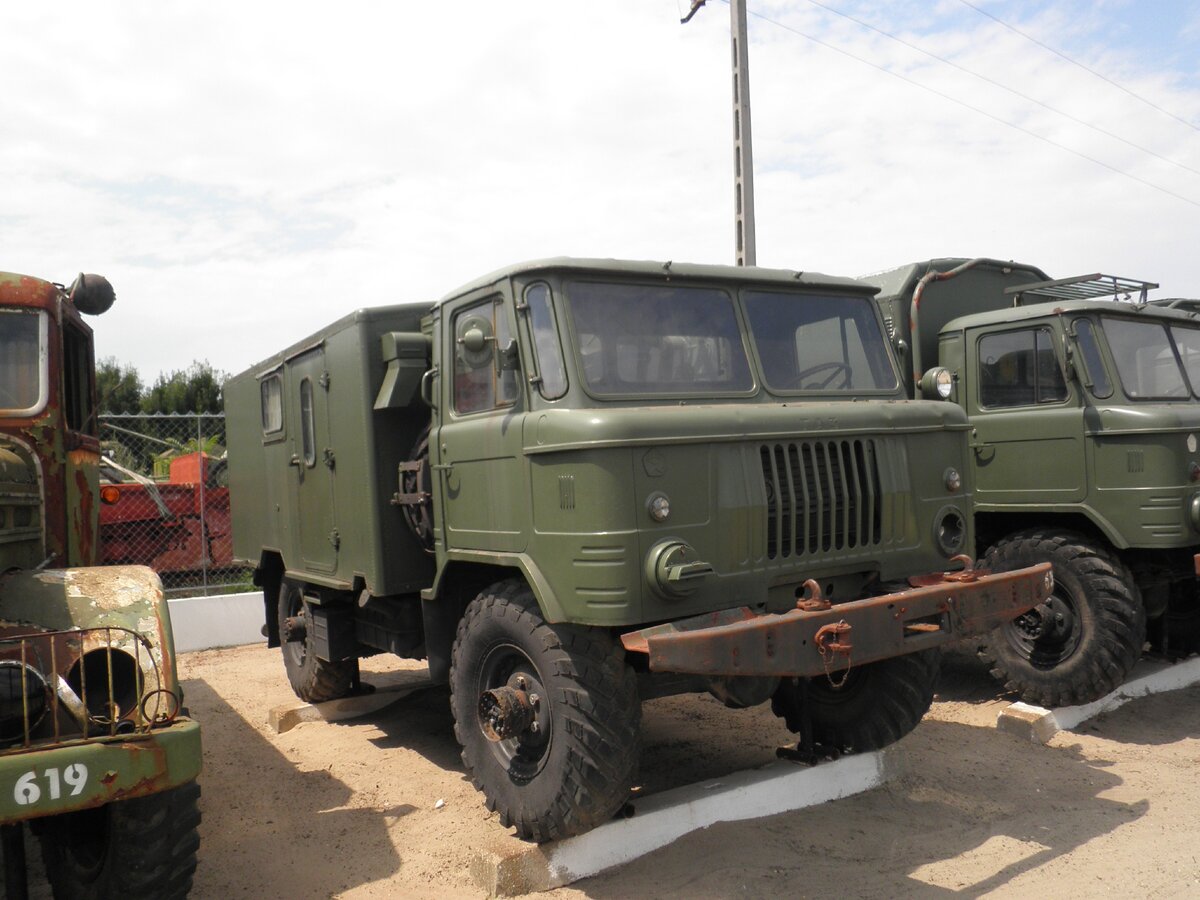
{"x": 246, "y": 173}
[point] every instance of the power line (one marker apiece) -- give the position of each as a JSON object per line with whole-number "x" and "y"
{"x": 975, "y": 109}
{"x": 1004, "y": 87}
{"x": 1074, "y": 62}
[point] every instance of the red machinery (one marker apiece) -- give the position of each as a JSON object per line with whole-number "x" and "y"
{"x": 177, "y": 526}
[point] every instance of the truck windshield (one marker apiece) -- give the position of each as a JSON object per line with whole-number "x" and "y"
{"x": 658, "y": 340}
{"x": 1148, "y": 358}
{"x": 814, "y": 343}
{"x": 22, "y": 361}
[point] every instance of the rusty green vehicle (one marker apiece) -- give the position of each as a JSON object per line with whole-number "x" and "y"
{"x": 96, "y": 754}
{"x": 575, "y": 484}
{"x": 1084, "y": 401}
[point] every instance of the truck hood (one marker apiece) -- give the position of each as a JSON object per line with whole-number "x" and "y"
{"x": 556, "y": 430}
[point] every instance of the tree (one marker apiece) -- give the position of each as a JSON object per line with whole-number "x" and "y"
{"x": 196, "y": 389}
{"x": 118, "y": 387}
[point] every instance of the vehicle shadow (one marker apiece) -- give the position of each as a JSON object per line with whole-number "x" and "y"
{"x": 421, "y": 722}
{"x": 265, "y": 820}
{"x": 971, "y": 811}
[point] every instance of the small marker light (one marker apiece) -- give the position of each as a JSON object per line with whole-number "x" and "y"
{"x": 659, "y": 508}
{"x": 110, "y": 494}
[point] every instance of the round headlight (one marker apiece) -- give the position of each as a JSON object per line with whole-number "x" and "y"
{"x": 659, "y": 507}
{"x": 950, "y": 531}
{"x": 22, "y": 700}
{"x": 937, "y": 384}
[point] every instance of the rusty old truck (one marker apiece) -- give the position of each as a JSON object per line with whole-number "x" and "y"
{"x": 575, "y": 484}
{"x": 97, "y": 757}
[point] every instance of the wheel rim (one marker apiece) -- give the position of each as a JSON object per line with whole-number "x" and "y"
{"x": 1048, "y": 635}
{"x": 524, "y": 755}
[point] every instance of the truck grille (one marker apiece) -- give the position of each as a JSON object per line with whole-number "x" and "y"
{"x": 85, "y": 684}
{"x": 822, "y": 496}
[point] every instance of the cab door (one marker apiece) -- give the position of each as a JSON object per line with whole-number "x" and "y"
{"x": 312, "y": 462}
{"x": 1027, "y": 439}
{"x": 480, "y": 465}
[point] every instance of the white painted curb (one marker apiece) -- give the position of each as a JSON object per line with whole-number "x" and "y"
{"x": 662, "y": 818}
{"x": 222, "y": 620}
{"x": 1156, "y": 677}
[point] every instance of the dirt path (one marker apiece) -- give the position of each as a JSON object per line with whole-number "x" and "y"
{"x": 351, "y": 809}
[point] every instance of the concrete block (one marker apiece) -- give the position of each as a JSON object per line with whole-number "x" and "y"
{"x": 1148, "y": 677}
{"x": 662, "y": 818}
{"x": 389, "y": 688}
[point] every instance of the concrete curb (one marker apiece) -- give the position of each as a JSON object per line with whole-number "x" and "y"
{"x": 662, "y": 818}
{"x": 1149, "y": 677}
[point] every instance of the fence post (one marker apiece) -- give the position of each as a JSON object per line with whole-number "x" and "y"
{"x": 203, "y": 470}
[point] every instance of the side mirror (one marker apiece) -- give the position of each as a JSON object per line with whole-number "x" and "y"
{"x": 92, "y": 294}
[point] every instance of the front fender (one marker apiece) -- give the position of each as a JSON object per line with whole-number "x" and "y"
{"x": 125, "y": 597}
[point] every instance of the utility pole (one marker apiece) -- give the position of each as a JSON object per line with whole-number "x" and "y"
{"x": 743, "y": 151}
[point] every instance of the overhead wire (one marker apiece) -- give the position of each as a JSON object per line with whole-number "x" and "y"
{"x": 1075, "y": 62}
{"x": 974, "y": 109}
{"x": 1003, "y": 87}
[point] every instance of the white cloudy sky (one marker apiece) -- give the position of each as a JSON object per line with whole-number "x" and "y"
{"x": 245, "y": 172}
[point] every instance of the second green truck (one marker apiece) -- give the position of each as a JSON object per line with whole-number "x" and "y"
{"x": 1084, "y": 402}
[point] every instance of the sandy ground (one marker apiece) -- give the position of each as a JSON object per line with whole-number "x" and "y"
{"x": 350, "y": 809}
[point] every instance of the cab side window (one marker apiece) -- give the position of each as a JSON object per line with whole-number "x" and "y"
{"x": 481, "y": 381}
{"x": 1019, "y": 368}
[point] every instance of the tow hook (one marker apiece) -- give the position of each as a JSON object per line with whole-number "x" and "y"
{"x": 506, "y": 712}
{"x": 828, "y": 641}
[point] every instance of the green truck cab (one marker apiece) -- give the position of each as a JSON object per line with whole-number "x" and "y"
{"x": 1084, "y": 403}
{"x": 575, "y": 484}
{"x": 96, "y": 755}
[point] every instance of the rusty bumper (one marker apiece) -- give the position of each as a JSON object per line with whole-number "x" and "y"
{"x": 818, "y": 638}
{"x": 48, "y": 780}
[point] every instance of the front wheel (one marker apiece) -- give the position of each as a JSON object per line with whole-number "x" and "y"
{"x": 547, "y": 715}
{"x": 139, "y": 849}
{"x": 872, "y": 706}
{"x": 1083, "y": 641}
{"x": 312, "y": 679}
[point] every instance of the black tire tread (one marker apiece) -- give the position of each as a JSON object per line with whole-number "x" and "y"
{"x": 891, "y": 703}
{"x": 1103, "y": 663}
{"x": 152, "y": 853}
{"x": 597, "y": 703}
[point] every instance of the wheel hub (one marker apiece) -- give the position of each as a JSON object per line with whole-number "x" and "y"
{"x": 1050, "y": 622}
{"x": 506, "y": 712}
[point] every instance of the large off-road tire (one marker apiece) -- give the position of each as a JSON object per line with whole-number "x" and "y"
{"x": 571, "y": 768}
{"x": 1085, "y": 639}
{"x": 876, "y": 705}
{"x": 139, "y": 849}
{"x": 314, "y": 680}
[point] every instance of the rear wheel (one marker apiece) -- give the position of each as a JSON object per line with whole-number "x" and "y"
{"x": 1083, "y": 641}
{"x": 876, "y": 704}
{"x": 313, "y": 680}
{"x": 547, "y": 715}
{"x": 130, "y": 849}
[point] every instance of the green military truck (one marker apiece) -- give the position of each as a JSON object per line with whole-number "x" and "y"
{"x": 575, "y": 484}
{"x": 96, "y": 755}
{"x": 1084, "y": 402}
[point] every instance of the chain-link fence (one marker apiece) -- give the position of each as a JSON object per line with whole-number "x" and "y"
{"x": 166, "y": 500}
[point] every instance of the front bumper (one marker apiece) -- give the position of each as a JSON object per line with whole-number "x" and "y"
{"x": 809, "y": 641}
{"x": 45, "y": 781}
